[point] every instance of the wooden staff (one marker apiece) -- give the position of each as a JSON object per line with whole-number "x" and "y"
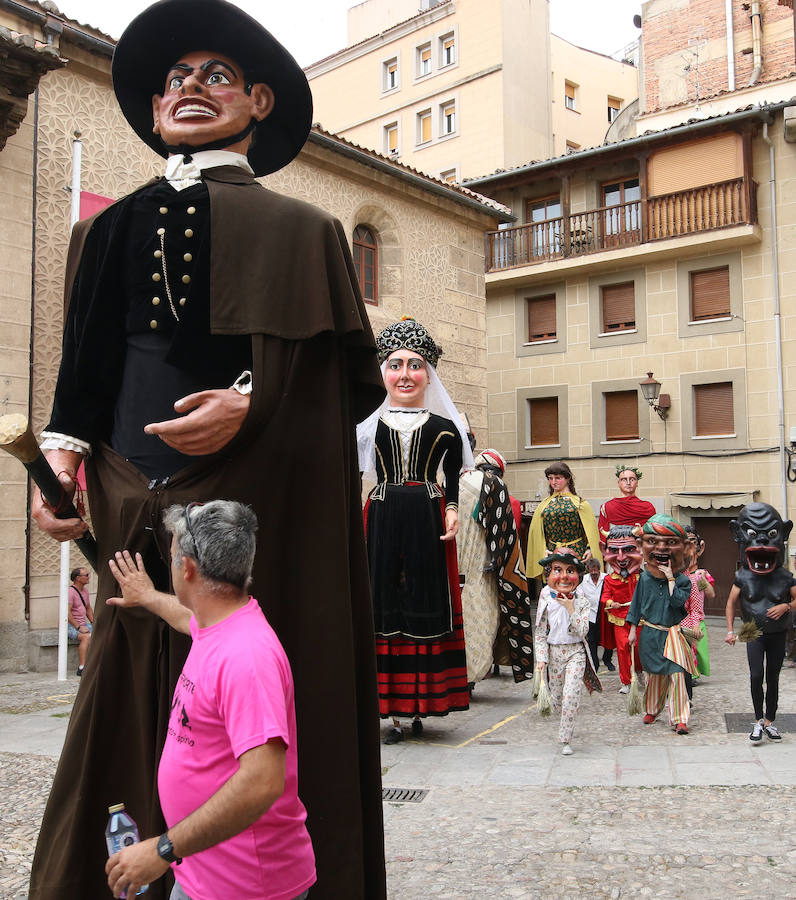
{"x": 17, "y": 439}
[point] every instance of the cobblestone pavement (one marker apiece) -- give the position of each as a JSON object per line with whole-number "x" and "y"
{"x": 636, "y": 812}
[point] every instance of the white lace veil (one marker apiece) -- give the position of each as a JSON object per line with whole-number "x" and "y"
{"x": 437, "y": 400}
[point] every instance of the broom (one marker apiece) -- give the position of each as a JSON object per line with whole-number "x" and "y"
{"x": 544, "y": 702}
{"x": 537, "y": 680}
{"x": 634, "y": 699}
{"x": 749, "y": 631}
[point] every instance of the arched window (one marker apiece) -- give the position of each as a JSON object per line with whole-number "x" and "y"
{"x": 366, "y": 260}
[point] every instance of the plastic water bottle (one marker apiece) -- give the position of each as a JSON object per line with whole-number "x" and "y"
{"x": 121, "y": 832}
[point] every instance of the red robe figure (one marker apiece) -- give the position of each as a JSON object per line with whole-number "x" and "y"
{"x": 627, "y": 509}
{"x": 623, "y": 553}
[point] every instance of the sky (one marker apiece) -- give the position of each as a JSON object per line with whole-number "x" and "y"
{"x": 313, "y": 29}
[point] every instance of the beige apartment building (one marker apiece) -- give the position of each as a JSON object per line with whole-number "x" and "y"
{"x": 418, "y": 245}
{"x": 464, "y": 87}
{"x": 661, "y": 253}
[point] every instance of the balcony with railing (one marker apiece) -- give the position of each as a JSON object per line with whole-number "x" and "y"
{"x": 656, "y": 218}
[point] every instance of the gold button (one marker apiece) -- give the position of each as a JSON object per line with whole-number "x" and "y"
{"x": 186, "y": 279}
{"x": 189, "y": 232}
{"x": 187, "y": 257}
{"x": 182, "y": 301}
{"x": 191, "y": 210}
{"x": 156, "y": 276}
{"x": 153, "y": 323}
{"x": 164, "y": 210}
{"x": 161, "y": 230}
{"x": 156, "y": 301}
{"x": 158, "y": 254}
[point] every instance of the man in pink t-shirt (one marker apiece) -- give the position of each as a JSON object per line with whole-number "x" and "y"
{"x": 228, "y": 775}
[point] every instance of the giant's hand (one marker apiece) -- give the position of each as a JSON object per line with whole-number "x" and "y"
{"x": 215, "y": 418}
{"x": 65, "y": 463}
{"x": 451, "y": 525}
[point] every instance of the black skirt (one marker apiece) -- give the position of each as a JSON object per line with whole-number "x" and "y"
{"x": 408, "y": 574}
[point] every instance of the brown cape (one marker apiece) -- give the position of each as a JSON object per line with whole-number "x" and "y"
{"x": 282, "y": 273}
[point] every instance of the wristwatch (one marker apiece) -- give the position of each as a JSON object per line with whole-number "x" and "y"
{"x": 166, "y": 849}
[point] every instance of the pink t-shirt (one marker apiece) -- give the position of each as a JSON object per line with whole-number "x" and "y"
{"x": 235, "y": 693}
{"x": 76, "y": 606}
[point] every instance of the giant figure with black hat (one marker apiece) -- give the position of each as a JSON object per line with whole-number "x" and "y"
{"x": 205, "y": 295}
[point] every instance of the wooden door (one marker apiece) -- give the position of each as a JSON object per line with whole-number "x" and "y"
{"x": 720, "y": 558}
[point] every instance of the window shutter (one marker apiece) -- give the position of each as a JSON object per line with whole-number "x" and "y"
{"x": 425, "y": 128}
{"x": 619, "y": 306}
{"x": 713, "y": 409}
{"x": 541, "y": 318}
{"x": 543, "y": 412}
{"x": 695, "y": 163}
{"x": 621, "y": 416}
{"x": 710, "y": 294}
{"x": 569, "y": 90}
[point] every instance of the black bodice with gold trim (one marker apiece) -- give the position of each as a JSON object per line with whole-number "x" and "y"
{"x": 436, "y": 442}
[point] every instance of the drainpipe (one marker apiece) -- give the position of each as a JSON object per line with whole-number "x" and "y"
{"x": 730, "y": 45}
{"x": 757, "y": 42}
{"x": 772, "y": 182}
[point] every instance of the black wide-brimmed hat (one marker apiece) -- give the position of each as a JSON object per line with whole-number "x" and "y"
{"x": 156, "y": 39}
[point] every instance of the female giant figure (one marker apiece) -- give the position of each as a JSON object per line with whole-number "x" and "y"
{"x": 411, "y": 523}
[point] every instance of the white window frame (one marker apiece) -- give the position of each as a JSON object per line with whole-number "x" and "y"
{"x": 453, "y": 34}
{"x": 386, "y": 142}
{"x": 571, "y": 102}
{"x": 386, "y": 88}
{"x": 452, "y": 172}
{"x": 419, "y": 73}
{"x": 444, "y": 132}
{"x": 419, "y": 117}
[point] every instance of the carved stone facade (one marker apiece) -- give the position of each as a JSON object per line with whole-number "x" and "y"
{"x": 430, "y": 261}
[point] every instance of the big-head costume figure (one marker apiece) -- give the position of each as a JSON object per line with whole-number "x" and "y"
{"x": 659, "y": 605}
{"x": 192, "y": 283}
{"x": 765, "y": 591}
{"x": 623, "y": 553}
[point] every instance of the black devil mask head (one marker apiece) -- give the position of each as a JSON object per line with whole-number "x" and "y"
{"x": 761, "y": 534}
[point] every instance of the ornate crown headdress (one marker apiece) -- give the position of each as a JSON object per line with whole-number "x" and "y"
{"x": 408, "y": 334}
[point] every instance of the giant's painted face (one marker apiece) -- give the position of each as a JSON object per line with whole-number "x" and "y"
{"x": 761, "y": 534}
{"x": 623, "y": 553}
{"x": 206, "y": 98}
{"x": 663, "y": 550}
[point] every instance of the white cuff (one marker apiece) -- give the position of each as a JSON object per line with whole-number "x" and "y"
{"x": 243, "y": 383}
{"x": 54, "y": 440}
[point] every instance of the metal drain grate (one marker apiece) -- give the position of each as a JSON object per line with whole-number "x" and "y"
{"x": 403, "y": 795}
{"x": 741, "y": 723}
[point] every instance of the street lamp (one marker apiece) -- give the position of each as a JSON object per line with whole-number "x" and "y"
{"x": 651, "y": 391}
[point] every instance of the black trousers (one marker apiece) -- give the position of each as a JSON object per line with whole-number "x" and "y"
{"x": 593, "y": 640}
{"x": 772, "y": 648}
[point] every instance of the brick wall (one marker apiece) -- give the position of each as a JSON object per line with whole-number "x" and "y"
{"x": 674, "y": 30}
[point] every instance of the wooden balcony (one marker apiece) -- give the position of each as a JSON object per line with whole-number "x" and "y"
{"x": 694, "y": 211}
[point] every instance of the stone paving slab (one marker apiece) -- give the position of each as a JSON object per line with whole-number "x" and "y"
{"x": 636, "y": 812}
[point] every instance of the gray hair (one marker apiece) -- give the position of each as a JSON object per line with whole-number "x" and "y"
{"x": 221, "y": 537}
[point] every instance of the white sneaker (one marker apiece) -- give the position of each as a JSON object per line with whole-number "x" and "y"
{"x": 756, "y": 734}
{"x": 625, "y": 689}
{"x": 566, "y": 750}
{"x": 772, "y": 733}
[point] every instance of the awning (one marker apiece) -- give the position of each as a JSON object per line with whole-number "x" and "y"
{"x": 713, "y": 500}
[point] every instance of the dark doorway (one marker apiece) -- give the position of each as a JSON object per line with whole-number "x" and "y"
{"x": 720, "y": 558}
